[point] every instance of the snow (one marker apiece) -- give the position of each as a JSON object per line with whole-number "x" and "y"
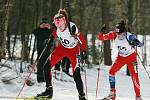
{"x": 66, "y": 90}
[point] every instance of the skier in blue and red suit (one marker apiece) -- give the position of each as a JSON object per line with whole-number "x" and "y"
{"x": 72, "y": 43}
{"x": 125, "y": 43}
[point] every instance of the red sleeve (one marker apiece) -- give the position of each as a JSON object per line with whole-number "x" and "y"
{"x": 100, "y": 36}
{"x": 109, "y": 36}
{"x": 82, "y": 42}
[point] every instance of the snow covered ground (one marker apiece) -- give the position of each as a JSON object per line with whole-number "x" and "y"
{"x": 67, "y": 91}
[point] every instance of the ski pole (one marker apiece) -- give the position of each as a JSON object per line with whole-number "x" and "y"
{"x": 49, "y": 41}
{"x": 33, "y": 66}
{"x": 86, "y": 87}
{"x": 97, "y": 83}
{"x": 98, "y": 75}
{"x": 103, "y": 29}
{"x": 143, "y": 65}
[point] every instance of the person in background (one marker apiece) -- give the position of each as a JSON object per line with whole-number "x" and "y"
{"x": 42, "y": 34}
{"x": 66, "y": 65}
{"x": 71, "y": 39}
{"x": 125, "y": 42}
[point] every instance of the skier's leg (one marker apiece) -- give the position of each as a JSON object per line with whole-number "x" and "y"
{"x": 135, "y": 79}
{"x": 67, "y": 66}
{"x": 53, "y": 59}
{"x": 132, "y": 64}
{"x": 76, "y": 72}
{"x": 115, "y": 67}
{"x": 48, "y": 93}
{"x": 79, "y": 83}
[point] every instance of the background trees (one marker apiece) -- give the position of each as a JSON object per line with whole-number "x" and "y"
{"x": 20, "y": 17}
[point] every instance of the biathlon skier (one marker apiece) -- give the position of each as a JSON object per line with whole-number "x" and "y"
{"x": 72, "y": 42}
{"x": 125, "y": 42}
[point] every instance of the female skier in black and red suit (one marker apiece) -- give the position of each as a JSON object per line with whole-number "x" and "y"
{"x": 71, "y": 43}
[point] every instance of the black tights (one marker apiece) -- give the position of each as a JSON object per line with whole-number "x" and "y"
{"x": 78, "y": 81}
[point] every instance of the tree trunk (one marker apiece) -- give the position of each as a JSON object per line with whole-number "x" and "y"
{"x": 8, "y": 43}
{"x": 81, "y": 7}
{"x": 144, "y": 51}
{"x": 105, "y": 20}
{"x": 4, "y": 13}
{"x": 129, "y": 22}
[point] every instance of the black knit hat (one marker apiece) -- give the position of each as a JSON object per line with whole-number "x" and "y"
{"x": 120, "y": 27}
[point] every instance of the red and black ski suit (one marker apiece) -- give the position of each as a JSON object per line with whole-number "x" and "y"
{"x": 70, "y": 47}
{"x": 126, "y": 55}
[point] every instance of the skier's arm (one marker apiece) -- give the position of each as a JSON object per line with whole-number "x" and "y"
{"x": 79, "y": 35}
{"x": 82, "y": 41}
{"x": 109, "y": 36}
{"x": 134, "y": 41}
{"x": 83, "y": 45}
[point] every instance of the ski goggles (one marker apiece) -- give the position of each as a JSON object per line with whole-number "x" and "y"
{"x": 60, "y": 20}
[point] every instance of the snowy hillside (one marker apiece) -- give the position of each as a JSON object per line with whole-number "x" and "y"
{"x": 66, "y": 90}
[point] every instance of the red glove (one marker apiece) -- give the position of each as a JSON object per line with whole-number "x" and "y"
{"x": 100, "y": 36}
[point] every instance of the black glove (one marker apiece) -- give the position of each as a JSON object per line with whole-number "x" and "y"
{"x": 103, "y": 29}
{"x": 84, "y": 55}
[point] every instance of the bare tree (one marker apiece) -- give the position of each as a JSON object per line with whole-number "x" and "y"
{"x": 4, "y": 14}
{"x": 105, "y": 20}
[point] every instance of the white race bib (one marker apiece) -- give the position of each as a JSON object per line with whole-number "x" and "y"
{"x": 66, "y": 39}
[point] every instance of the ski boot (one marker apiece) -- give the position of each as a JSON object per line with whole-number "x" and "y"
{"x": 48, "y": 93}
{"x": 111, "y": 96}
{"x": 138, "y": 98}
{"x": 82, "y": 97}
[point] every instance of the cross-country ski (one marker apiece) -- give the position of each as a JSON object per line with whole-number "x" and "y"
{"x": 26, "y": 98}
